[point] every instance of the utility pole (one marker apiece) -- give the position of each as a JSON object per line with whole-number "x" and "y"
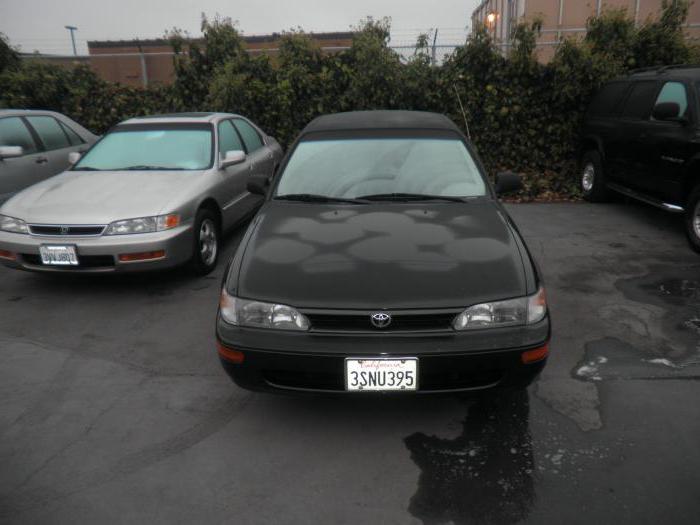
{"x": 434, "y": 49}
{"x": 72, "y": 30}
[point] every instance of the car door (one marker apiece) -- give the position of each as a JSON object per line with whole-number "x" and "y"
{"x": 237, "y": 201}
{"x": 630, "y": 161}
{"x": 55, "y": 140}
{"x": 18, "y": 173}
{"x": 668, "y": 144}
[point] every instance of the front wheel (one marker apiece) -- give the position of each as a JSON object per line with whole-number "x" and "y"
{"x": 692, "y": 219}
{"x": 205, "y": 252}
{"x": 593, "y": 178}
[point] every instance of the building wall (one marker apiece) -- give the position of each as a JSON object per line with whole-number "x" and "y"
{"x": 566, "y": 18}
{"x": 149, "y": 62}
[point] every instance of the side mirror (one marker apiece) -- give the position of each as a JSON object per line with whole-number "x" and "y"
{"x": 232, "y": 157}
{"x": 668, "y": 111}
{"x": 508, "y": 182}
{"x": 257, "y": 184}
{"x": 9, "y": 152}
{"x": 73, "y": 157}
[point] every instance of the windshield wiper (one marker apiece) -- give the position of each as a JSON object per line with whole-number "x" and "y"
{"x": 145, "y": 167}
{"x": 411, "y": 197}
{"x": 310, "y": 197}
{"x": 86, "y": 168}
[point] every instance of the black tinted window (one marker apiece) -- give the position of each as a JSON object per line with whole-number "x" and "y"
{"x": 606, "y": 102}
{"x": 250, "y": 136}
{"x": 74, "y": 138}
{"x": 228, "y": 138}
{"x": 13, "y": 132}
{"x": 50, "y": 132}
{"x": 640, "y": 100}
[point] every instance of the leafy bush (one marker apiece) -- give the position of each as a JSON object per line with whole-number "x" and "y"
{"x": 521, "y": 115}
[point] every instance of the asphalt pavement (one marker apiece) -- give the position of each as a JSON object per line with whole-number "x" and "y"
{"x": 114, "y": 408}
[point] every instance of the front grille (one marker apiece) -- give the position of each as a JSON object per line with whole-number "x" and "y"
{"x": 66, "y": 230}
{"x": 400, "y": 322}
{"x": 84, "y": 261}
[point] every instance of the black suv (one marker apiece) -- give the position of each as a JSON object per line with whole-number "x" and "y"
{"x": 642, "y": 139}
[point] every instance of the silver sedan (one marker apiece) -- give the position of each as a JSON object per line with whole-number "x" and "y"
{"x": 154, "y": 192}
{"x": 34, "y": 145}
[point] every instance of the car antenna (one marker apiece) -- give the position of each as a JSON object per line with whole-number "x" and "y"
{"x": 464, "y": 115}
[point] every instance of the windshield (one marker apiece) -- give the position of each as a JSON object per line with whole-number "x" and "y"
{"x": 149, "y": 148}
{"x": 352, "y": 168}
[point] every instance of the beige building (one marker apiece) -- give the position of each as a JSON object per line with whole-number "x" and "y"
{"x": 562, "y": 18}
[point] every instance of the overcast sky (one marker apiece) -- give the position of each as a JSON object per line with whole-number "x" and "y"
{"x": 39, "y": 24}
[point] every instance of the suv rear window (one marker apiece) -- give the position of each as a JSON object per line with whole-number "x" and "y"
{"x": 639, "y": 101}
{"x": 608, "y": 99}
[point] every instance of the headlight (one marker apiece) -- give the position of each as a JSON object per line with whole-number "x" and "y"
{"x": 254, "y": 314}
{"x": 10, "y": 224}
{"x": 143, "y": 225}
{"x": 512, "y": 312}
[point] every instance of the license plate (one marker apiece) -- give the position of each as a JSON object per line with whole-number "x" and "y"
{"x": 380, "y": 375}
{"x": 58, "y": 255}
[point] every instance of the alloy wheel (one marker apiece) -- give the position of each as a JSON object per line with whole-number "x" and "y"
{"x": 208, "y": 245}
{"x": 588, "y": 177}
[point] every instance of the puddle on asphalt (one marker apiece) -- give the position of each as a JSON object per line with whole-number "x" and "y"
{"x": 485, "y": 475}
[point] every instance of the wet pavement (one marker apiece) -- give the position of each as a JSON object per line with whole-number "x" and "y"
{"x": 113, "y": 406}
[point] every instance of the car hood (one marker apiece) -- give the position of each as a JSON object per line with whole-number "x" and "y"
{"x": 98, "y": 197}
{"x": 383, "y": 255}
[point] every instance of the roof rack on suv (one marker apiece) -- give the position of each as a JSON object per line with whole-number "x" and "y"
{"x": 661, "y": 69}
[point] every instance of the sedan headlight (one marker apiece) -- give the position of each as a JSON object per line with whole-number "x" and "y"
{"x": 512, "y": 312}
{"x": 143, "y": 225}
{"x": 255, "y": 314}
{"x": 10, "y": 224}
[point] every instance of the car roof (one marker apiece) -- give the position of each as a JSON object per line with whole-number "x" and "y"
{"x": 174, "y": 118}
{"x": 380, "y": 119}
{"x": 685, "y": 72}
{"x": 26, "y": 112}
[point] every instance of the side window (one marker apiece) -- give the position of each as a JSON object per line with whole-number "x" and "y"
{"x": 674, "y": 92}
{"x": 50, "y": 132}
{"x": 639, "y": 101}
{"x": 228, "y": 138}
{"x": 73, "y": 137}
{"x": 14, "y": 132}
{"x": 250, "y": 135}
{"x": 607, "y": 102}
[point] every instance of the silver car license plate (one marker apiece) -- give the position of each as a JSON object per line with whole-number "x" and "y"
{"x": 381, "y": 374}
{"x": 55, "y": 255}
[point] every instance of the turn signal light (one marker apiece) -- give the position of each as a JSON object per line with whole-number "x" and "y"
{"x": 4, "y": 254}
{"x": 233, "y": 356}
{"x": 142, "y": 256}
{"x": 538, "y": 354}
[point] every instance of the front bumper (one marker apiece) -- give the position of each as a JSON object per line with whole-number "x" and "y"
{"x": 448, "y": 361}
{"x": 101, "y": 254}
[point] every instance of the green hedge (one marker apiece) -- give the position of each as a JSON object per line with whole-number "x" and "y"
{"x": 522, "y": 115}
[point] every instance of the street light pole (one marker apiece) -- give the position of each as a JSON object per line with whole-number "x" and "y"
{"x": 72, "y": 30}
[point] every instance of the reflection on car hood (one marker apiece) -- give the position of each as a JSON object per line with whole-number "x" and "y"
{"x": 98, "y": 197}
{"x": 384, "y": 255}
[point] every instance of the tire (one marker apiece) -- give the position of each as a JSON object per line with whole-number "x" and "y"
{"x": 206, "y": 243}
{"x": 592, "y": 178}
{"x": 692, "y": 219}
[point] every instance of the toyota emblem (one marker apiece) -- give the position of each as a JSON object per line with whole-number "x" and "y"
{"x": 380, "y": 320}
{"x": 65, "y": 230}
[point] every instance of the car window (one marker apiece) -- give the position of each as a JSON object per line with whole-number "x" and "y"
{"x": 228, "y": 138}
{"x": 50, "y": 132}
{"x": 142, "y": 148}
{"x": 607, "y": 101}
{"x": 350, "y": 168}
{"x": 73, "y": 137}
{"x": 674, "y": 92}
{"x": 14, "y": 132}
{"x": 250, "y": 135}
{"x": 639, "y": 101}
